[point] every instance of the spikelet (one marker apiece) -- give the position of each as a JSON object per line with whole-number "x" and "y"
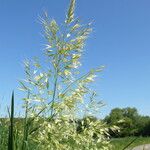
{"x": 70, "y": 15}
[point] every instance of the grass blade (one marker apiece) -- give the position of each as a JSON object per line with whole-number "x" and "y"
{"x": 11, "y": 127}
{"x": 130, "y": 143}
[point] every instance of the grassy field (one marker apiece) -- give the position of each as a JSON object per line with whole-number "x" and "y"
{"x": 120, "y": 143}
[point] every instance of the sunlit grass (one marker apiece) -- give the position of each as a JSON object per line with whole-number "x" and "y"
{"x": 120, "y": 143}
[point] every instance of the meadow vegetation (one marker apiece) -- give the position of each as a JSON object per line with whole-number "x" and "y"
{"x": 60, "y": 108}
{"x": 56, "y": 95}
{"x": 128, "y": 142}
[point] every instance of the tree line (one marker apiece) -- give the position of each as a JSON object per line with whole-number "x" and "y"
{"x": 129, "y": 120}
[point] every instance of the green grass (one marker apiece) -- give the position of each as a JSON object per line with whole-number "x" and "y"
{"x": 120, "y": 143}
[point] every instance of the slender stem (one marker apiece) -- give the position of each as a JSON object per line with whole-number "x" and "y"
{"x": 26, "y": 125}
{"x": 55, "y": 83}
{"x": 66, "y": 89}
{"x": 54, "y": 94}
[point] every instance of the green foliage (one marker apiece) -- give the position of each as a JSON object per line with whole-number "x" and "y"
{"x": 129, "y": 121}
{"x": 11, "y": 128}
{"x": 4, "y": 133}
{"x": 143, "y": 125}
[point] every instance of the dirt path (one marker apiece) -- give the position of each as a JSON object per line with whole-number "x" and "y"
{"x": 142, "y": 147}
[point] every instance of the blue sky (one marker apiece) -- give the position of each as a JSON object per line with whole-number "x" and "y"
{"x": 120, "y": 41}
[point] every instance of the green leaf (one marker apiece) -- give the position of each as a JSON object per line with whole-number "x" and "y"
{"x": 11, "y": 127}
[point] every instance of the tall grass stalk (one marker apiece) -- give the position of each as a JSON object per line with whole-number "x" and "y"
{"x": 55, "y": 95}
{"x": 26, "y": 125}
{"x": 11, "y": 127}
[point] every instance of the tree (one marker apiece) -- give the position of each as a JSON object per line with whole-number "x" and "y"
{"x": 55, "y": 94}
{"x": 115, "y": 115}
{"x": 125, "y": 119}
{"x": 129, "y": 121}
{"x": 143, "y": 124}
